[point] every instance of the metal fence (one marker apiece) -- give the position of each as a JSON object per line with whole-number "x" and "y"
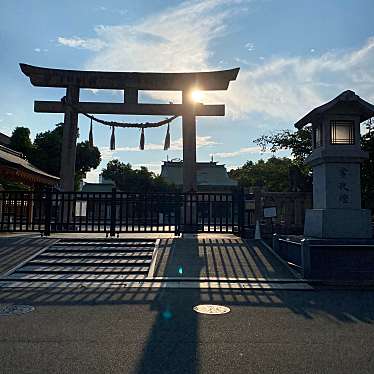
{"x": 115, "y": 212}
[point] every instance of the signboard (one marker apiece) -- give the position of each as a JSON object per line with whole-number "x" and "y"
{"x": 270, "y": 212}
{"x": 250, "y": 205}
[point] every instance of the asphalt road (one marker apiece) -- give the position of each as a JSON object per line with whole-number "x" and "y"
{"x": 142, "y": 331}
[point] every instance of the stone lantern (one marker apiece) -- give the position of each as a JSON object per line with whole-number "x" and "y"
{"x": 335, "y": 161}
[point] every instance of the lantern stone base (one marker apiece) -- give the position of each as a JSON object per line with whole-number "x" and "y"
{"x": 338, "y": 223}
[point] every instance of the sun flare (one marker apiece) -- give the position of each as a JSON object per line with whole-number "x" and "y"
{"x": 197, "y": 96}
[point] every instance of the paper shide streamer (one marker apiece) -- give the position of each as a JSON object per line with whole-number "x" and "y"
{"x": 167, "y": 138}
{"x": 113, "y": 140}
{"x": 115, "y": 124}
{"x": 90, "y": 137}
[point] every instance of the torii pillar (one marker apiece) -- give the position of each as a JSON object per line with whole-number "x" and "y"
{"x": 69, "y": 141}
{"x": 189, "y": 143}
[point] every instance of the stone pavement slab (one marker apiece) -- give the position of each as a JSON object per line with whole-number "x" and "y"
{"x": 221, "y": 257}
{"x": 15, "y": 249}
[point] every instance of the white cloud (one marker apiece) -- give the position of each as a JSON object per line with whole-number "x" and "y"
{"x": 242, "y": 61}
{"x": 38, "y": 50}
{"x": 250, "y": 46}
{"x": 93, "y": 176}
{"x": 91, "y": 44}
{"x": 8, "y": 114}
{"x": 152, "y": 166}
{"x": 287, "y": 88}
{"x": 245, "y": 150}
{"x": 179, "y": 39}
{"x": 175, "y": 145}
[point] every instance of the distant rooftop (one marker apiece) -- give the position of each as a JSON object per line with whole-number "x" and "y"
{"x": 98, "y": 187}
{"x": 208, "y": 174}
{"x": 4, "y": 139}
{"x": 15, "y": 163}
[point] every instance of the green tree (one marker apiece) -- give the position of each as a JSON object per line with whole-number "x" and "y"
{"x": 367, "y": 168}
{"x": 20, "y": 141}
{"x": 272, "y": 174}
{"x": 46, "y": 154}
{"x": 87, "y": 158}
{"x": 298, "y": 142}
{"x": 135, "y": 180}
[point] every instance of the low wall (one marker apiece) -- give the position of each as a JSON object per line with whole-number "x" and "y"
{"x": 328, "y": 258}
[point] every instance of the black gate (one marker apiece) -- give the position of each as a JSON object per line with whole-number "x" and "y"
{"x": 116, "y": 212}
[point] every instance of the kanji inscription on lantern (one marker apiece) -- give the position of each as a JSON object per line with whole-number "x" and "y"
{"x": 344, "y": 191}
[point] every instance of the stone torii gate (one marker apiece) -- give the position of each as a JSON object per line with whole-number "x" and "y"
{"x": 130, "y": 83}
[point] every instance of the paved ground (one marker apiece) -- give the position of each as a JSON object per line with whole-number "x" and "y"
{"x": 157, "y": 332}
{"x": 203, "y": 256}
{"x": 17, "y": 248}
{"x": 137, "y": 330}
{"x": 226, "y": 256}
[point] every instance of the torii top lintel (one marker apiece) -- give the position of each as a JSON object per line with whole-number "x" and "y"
{"x": 212, "y": 80}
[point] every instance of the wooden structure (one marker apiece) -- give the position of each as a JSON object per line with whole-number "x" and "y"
{"x": 130, "y": 83}
{"x": 14, "y": 167}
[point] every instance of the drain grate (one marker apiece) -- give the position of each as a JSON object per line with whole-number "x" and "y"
{"x": 211, "y": 309}
{"x": 10, "y": 310}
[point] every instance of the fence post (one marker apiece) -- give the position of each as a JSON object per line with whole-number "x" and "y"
{"x": 276, "y": 243}
{"x": 47, "y": 214}
{"x": 241, "y": 211}
{"x": 113, "y": 212}
{"x": 177, "y": 213}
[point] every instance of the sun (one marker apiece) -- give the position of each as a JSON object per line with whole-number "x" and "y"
{"x": 197, "y": 96}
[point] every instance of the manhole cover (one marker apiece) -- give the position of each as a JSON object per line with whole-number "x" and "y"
{"x": 9, "y": 310}
{"x": 211, "y": 309}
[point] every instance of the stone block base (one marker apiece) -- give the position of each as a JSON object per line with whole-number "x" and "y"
{"x": 338, "y": 223}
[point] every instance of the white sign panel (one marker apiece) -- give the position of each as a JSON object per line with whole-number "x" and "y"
{"x": 270, "y": 212}
{"x": 80, "y": 208}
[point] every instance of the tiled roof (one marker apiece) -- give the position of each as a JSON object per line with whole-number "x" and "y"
{"x": 347, "y": 99}
{"x": 16, "y": 159}
{"x": 4, "y": 139}
{"x": 98, "y": 187}
{"x": 208, "y": 174}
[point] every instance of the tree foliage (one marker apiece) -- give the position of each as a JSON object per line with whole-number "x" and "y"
{"x": 87, "y": 158}
{"x": 135, "y": 180}
{"x": 273, "y": 174}
{"x": 298, "y": 142}
{"x": 20, "y": 140}
{"x": 367, "y": 169}
{"x": 45, "y": 152}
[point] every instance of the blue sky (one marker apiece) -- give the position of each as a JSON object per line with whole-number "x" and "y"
{"x": 293, "y": 55}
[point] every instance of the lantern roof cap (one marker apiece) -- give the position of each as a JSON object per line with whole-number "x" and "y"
{"x": 345, "y": 103}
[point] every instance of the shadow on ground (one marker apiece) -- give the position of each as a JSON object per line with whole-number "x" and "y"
{"x": 172, "y": 344}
